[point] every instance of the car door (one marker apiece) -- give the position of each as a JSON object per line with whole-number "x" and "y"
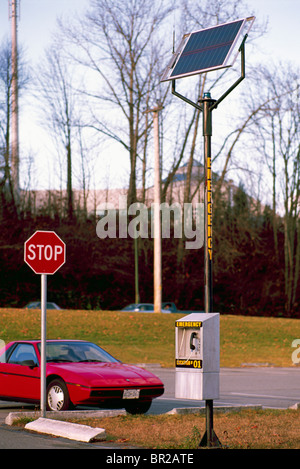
{"x": 20, "y": 380}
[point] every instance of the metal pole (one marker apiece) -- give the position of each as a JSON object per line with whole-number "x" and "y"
{"x": 207, "y": 133}
{"x": 136, "y": 270}
{"x": 14, "y": 103}
{"x": 209, "y": 421}
{"x": 209, "y": 439}
{"x": 43, "y": 342}
{"x": 157, "y": 222}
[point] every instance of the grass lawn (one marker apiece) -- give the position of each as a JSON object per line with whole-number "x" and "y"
{"x": 247, "y": 429}
{"x": 244, "y": 429}
{"x": 150, "y": 338}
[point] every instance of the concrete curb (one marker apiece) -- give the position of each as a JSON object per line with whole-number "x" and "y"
{"x": 295, "y": 406}
{"x": 71, "y": 431}
{"x": 14, "y": 416}
{"x": 202, "y": 410}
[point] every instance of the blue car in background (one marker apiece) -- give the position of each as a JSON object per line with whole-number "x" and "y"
{"x": 143, "y": 308}
{"x": 37, "y": 305}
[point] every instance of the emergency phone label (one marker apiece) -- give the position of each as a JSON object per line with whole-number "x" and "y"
{"x": 193, "y": 324}
{"x": 182, "y": 363}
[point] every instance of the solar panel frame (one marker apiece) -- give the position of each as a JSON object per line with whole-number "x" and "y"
{"x": 205, "y": 50}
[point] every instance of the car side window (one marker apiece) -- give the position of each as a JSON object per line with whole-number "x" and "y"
{"x": 22, "y": 353}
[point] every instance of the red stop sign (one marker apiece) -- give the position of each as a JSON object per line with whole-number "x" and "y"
{"x": 44, "y": 252}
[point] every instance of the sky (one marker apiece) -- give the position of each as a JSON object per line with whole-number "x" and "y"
{"x": 38, "y": 20}
{"x": 282, "y": 41}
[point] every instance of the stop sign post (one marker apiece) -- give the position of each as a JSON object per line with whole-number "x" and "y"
{"x": 45, "y": 253}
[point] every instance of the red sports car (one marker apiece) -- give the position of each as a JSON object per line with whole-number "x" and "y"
{"x": 78, "y": 373}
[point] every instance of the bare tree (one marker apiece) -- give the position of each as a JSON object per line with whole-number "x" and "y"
{"x": 121, "y": 42}
{"x": 284, "y": 126}
{"x": 276, "y": 133}
{"x": 5, "y": 89}
{"x": 56, "y": 92}
{"x": 6, "y": 183}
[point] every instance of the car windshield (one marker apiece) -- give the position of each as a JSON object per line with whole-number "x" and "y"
{"x": 76, "y": 352}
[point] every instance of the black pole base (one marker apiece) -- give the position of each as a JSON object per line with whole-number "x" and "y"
{"x": 213, "y": 442}
{"x": 209, "y": 439}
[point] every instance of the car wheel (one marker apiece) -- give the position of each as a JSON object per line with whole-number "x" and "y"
{"x": 57, "y": 396}
{"x": 139, "y": 407}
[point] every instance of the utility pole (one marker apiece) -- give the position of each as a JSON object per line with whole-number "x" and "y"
{"x": 13, "y": 10}
{"x": 157, "y": 221}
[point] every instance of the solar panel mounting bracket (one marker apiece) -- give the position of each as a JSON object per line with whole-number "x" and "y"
{"x": 197, "y": 106}
{"x": 239, "y": 80}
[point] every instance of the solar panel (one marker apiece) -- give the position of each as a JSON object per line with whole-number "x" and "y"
{"x": 205, "y": 50}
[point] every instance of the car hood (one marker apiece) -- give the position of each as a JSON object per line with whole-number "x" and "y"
{"x": 106, "y": 374}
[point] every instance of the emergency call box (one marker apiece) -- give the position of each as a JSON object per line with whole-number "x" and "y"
{"x": 197, "y": 356}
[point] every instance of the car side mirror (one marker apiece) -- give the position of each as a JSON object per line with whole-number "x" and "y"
{"x": 30, "y": 363}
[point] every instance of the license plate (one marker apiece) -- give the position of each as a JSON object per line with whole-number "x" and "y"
{"x": 131, "y": 393}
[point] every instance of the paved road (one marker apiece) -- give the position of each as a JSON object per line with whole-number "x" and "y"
{"x": 269, "y": 387}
